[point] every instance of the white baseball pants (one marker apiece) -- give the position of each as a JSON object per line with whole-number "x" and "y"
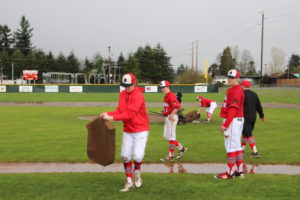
{"x": 211, "y": 108}
{"x": 234, "y": 132}
{"x": 170, "y": 128}
{"x": 134, "y": 145}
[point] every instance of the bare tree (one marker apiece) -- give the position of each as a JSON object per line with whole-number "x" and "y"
{"x": 278, "y": 62}
{"x": 245, "y": 62}
{"x": 235, "y": 55}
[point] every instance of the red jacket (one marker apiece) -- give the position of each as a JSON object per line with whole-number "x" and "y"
{"x": 132, "y": 111}
{"x": 170, "y": 103}
{"x": 233, "y": 105}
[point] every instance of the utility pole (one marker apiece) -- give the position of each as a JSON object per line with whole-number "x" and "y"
{"x": 262, "y": 44}
{"x": 192, "y": 55}
{"x": 109, "y": 64}
{"x": 197, "y": 56}
{"x": 265, "y": 68}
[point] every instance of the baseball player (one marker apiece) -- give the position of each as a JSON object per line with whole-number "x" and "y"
{"x": 210, "y": 106}
{"x": 251, "y": 106}
{"x": 132, "y": 111}
{"x": 233, "y": 113}
{"x": 171, "y": 106}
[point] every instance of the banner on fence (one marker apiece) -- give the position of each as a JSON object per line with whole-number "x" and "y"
{"x": 26, "y": 88}
{"x": 150, "y": 88}
{"x": 76, "y": 89}
{"x": 51, "y": 88}
{"x": 2, "y": 88}
{"x": 199, "y": 88}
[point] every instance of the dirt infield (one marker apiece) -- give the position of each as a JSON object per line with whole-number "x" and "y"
{"x": 173, "y": 167}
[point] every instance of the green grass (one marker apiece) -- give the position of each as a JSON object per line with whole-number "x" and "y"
{"x": 155, "y": 187}
{"x": 54, "y": 134}
{"x": 266, "y": 95}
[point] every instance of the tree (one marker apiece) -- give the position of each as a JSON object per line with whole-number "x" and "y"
{"x": 235, "y": 55}
{"x": 252, "y": 70}
{"x": 245, "y": 62}
{"x": 23, "y": 37}
{"x": 227, "y": 62}
{"x": 278, "y": 60}
{"x": 190, "y": 77}
{"x": 181, "y": 69}
{"x": 294, "y": 62}
{"x": 72, "y": 64}
{"x": 214, "y": 70}
{"x": 132, "y": 66}
{"x": 6, "y": 39}
{"x": 154, "y": 64}
{"x": 121, "y": 63}
{"x": 60, "y": 63}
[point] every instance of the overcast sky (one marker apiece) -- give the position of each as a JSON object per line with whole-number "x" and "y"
{"x": 89, "y": 26}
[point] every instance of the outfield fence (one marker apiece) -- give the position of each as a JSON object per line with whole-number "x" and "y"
{"x": 103, "y": 88}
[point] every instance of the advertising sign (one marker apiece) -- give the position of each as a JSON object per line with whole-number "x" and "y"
{"x": 76, "y": 89}
{"x": 199, "y": 88}
{"x": 51, "y": 88}
{"x": 150, "y": 88}
{"x": 26, "y": 88}
{"x": 2, "y": 88}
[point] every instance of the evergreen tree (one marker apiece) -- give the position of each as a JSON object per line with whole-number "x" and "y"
{"x": 23, "y": 37}
{"x": 132, "y": 66}
{"x": 227, "y": 62}
{"x": 121, "y": 63}
{"x": 72, "y": 64}
{"x": 294, "y": 62}
{"x": 181, "y": 69}
{"x": 60, "y": 63}
{"x": 214, "y": 70}
{"x": 6, "y": 39}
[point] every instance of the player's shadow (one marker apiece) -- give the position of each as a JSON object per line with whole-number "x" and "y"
{"x": 172, "y": 168}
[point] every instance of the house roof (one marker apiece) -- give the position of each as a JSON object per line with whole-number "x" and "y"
{"x": 282, "y": 75}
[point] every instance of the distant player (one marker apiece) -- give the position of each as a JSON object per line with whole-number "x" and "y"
{"x": 132, "y": 111}
{"x": 171, "y": 106}
{"x": 209, "y": 104}
{"x": 251, "y": 106}
{"x": 233, "y": 113}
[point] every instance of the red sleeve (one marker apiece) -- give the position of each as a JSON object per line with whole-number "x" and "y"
{"x": 230, "y": 115}
{"x": 174, "y": 102}
{"x": 133, "y": 106}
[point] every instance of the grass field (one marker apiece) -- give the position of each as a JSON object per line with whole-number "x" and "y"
{"x": 156, "y": 186}
{"x": 56, "y": 134}
{"x": 266, "y": 95}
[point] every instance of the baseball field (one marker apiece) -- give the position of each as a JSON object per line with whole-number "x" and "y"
{"x": 36, "y": 133}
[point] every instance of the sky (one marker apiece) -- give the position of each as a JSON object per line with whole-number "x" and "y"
{"x": 90, "y": 26}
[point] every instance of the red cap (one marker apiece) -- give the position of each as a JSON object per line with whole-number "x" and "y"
{"x": 246, "y": 83}
{"x": 164, "y": 84}
{"x": 199, "y": 97}
{"x": 128, "y": 80}
{"x": 233, "y": 73}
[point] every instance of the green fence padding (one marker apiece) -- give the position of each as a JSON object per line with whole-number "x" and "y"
{"x": 107, "y": 88}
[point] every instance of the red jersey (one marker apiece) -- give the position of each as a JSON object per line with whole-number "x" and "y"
{"x": 170, "y": 103}
{"x": 132, "y": 111}
{"x": 233, "y": 105}
{"x": 206, "y": 102}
